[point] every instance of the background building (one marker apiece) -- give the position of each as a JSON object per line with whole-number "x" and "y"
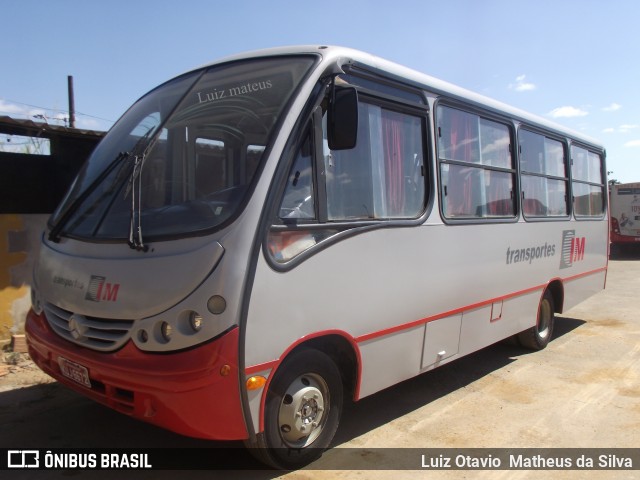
{"x": 38, "y": 161}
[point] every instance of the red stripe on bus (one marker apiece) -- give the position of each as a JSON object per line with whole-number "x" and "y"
{"x": 260, "y": 367}
{"x": 416, "y": 323}
{"x": 405, "y": 326}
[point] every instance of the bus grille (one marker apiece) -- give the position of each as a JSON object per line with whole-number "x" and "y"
{"x": 100, "y": 334}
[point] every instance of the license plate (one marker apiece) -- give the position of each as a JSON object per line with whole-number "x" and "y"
{"x": 74, "y": 371}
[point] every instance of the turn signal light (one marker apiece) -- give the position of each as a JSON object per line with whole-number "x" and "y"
{"x": 256, "y": 382}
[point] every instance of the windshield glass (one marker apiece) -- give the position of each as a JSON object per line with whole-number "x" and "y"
{"x": 181, "y": 160}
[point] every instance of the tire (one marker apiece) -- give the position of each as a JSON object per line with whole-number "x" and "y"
{"x": 302, "y": 411}
{"x": 538, "y": 337}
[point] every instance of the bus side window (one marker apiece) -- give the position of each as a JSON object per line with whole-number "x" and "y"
{"x": 544, "y": 175}
{"x": 383, "y": 176}
{"x": 476, "y": 166}
{"x": 588, "y": 183}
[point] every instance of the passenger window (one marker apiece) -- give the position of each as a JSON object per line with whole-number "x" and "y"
{"x": 476, "y": 166}
{"x": 383, "y": 176}
{"x": 588, "y": 185}
{"x": 544, "y": 176}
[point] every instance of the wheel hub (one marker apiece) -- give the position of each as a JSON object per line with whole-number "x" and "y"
{"x": 302, "y": 411}
{"x": 544, "y": 319}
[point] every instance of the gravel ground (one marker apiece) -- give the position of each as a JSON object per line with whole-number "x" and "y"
{"x": 18, "y": 371}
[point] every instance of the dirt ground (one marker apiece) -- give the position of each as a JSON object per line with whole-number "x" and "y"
{"x": 18, "y": 371}
{"x": 582, "y": 391}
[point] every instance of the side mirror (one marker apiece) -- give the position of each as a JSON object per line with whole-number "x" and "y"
{"x": 342, "y": 120}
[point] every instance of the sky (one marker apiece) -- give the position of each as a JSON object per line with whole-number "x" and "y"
{"x": 576, "y": 62}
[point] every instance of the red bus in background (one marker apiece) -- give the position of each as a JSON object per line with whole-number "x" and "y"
{"x": 625, "y": 214}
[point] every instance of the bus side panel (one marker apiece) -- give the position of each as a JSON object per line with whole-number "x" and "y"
{"x": 490, "y": 324}
{"x": 391, "y": 359}
{"x": 362, "y": 285}
{"x": 366, "y": 283}
{"x": 585, "y": 273}
{"x": 441, "y": 340}
{"x": 579, "y": 289}
{"x": 385, "y": 288}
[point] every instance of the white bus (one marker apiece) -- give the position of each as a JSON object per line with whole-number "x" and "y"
{"x": 258, "y": 241}
{"x": 625, "y": 214}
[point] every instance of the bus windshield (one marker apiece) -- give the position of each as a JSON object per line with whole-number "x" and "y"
{"x": 182, "y": 159}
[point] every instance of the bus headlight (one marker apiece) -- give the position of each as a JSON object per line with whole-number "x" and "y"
{"x": 181, "y": 328}
{"x": 195, "y": 320}
{"x": 166, "y": 330}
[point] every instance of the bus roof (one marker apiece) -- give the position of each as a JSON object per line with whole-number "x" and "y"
{"x": 342, "y": 55}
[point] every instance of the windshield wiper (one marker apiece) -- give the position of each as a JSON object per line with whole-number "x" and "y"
{"x": 56, "y": 229}
{"x": 139, "y": 154}
{"x": 141, "y": 144}
{"x": 135, "y": 186}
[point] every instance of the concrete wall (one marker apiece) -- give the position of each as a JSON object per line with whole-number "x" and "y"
{"x": 19, "y": 246}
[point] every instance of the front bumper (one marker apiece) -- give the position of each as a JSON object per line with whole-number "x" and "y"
{"x": 187, "y": 392}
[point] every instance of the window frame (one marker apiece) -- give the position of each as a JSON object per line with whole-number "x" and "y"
{"x": 342, "y": 229}
{"x": 523, "y": 173}
{"x": 603, "y": 186}
{"x": 308, "y": 135}
{"x": 481, "y": 114}
{"x": 422, "y": 116}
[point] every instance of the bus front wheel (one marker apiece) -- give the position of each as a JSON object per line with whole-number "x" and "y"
{"x": 302, "y": 409}
{"x": 538, "y": 336}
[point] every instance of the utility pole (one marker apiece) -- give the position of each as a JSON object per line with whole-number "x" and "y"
{"x": 72, "y": 106}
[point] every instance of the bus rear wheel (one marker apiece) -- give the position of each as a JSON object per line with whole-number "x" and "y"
{"x": 302, "y": 410}
{"x": 538, "y": 336}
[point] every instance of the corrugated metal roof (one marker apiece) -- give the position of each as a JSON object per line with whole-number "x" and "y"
{"x": 41, "y": 129}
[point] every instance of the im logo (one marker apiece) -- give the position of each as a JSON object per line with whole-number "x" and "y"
{"x": 102, "y": 291}
{"x": 572, "y": 248}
